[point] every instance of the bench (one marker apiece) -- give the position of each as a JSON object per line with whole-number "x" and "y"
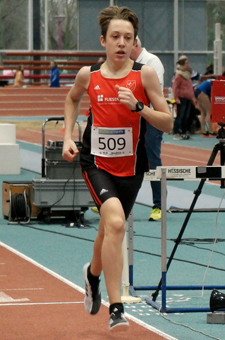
{"x": 75, "y": 61}
{"x": 43, "y": 68}
{"x": 34, "y": 79}
{"x": 95, "y": 55}
{"x": 47, "y": 62}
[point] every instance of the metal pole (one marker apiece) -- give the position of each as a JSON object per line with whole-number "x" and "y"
{"x": 131, "y": 247}
{"x": 126, "y": 297}
{"x": 217, "y": 51}
{"x": 163, "y": 237}
{"x": 30, "y": 25}
{"x": 46, "y": 25}
{"x": 175, "y": 32}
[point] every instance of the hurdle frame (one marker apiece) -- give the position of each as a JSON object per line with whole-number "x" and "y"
{"x": 162, "y": 173}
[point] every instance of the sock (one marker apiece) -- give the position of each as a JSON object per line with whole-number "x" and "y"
{"x": 94, "y": 280}
{"x": 116, "y": 307}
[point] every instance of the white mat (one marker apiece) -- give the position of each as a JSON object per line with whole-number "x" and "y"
{"x": 30, "y": 160}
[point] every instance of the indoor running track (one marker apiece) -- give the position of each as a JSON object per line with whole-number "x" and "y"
{"x": 36, "y": 303}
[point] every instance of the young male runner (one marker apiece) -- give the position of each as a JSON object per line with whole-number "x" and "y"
{"x": 113, "y": 157}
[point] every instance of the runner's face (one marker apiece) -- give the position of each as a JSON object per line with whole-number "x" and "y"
{"x": 119, "y": 40}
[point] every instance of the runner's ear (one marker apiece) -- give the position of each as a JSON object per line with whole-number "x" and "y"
{"x": 102, "y": 41}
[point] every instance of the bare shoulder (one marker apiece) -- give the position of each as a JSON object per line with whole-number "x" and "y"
{"x": 149, "y": 76}
{"x": 83, "y": 76}
{"x": 81, "y": 83}
{"x": 148, "y": 71}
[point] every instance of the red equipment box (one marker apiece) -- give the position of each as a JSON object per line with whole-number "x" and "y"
{"x": 217, "y": 101}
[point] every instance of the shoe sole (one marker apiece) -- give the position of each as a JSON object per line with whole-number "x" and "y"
{"x": 89, "y": 307}
{"x": 121, "y": 327}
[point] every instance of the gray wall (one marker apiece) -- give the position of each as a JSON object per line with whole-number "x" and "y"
{"x": 156, "y": 29}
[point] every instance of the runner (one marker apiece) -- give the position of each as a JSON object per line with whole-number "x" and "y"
{"x": 113, "y": 157}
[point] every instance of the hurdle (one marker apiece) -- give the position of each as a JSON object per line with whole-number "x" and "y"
{"x": 163, "y": 174}
{"x": 126, "y": 297}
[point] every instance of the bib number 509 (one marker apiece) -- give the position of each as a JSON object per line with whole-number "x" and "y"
{"x": 111, "y": 142}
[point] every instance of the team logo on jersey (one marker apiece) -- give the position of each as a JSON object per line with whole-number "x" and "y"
{"x": 110, "y": 100}
{"x": 100, "y": 98}
{"x": 131, "y": 84}
{"x": 97, "y": 87}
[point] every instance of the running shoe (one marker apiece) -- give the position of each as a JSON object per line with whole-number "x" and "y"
{"x": 212, "y": 134}
{"x": 185, "y": 136}
{"x": 177, "y": 137}
{"x": 155, "y": 214}
{"x": 205, "y": 134}
{"x": 208, "y": 134}
{"x": 118, "y": 322}
{"x": 95, "y": 210}
{"x": 92, "y": 299}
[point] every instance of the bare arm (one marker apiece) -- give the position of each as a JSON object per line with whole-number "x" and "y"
{"x": 160, "y": 117}
{"x": 208, "y": 76}
{"x": 71, "y": 111}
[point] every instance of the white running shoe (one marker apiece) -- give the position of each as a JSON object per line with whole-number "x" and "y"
{"x": 92, "y": 299}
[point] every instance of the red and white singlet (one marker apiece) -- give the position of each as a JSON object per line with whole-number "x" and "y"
{"x": 114, "y": 136}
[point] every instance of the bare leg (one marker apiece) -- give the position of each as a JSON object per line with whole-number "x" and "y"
{"x": 96, "y": 263}
{"x": 202, "y": 118}
{"x": 205, "y": 108}
{"x": 108, "y": 248}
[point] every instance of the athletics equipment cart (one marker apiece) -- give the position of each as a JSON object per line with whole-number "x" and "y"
{"x": 61, "y": 191}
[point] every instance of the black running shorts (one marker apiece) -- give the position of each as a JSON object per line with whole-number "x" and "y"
{"x": 103, "y": 185}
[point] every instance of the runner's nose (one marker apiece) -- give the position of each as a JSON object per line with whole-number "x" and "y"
{"x": 121, "y": 41}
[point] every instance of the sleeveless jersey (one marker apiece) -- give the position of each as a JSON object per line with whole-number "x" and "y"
{"x": 106, "y": 112}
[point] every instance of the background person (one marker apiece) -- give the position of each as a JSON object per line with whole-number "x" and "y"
{"x": 153, "y": 136}
{"x": 184, "y": 96}
{"x": 203, "y": 102}
{"x": 203, "y": 98}
{"x": 197, "y": 77}
{"x": 120, "y": 93}
{"x": 19, "y": 78}
{"x": 193, "y": 122}
{"x": 54, "y": 75}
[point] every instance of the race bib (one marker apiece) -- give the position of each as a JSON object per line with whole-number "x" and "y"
{"x": 111, "y": 142}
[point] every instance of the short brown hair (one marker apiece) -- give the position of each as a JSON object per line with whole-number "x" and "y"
{"x": 115, "y": 12}
{"x": 182, "y": 62}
